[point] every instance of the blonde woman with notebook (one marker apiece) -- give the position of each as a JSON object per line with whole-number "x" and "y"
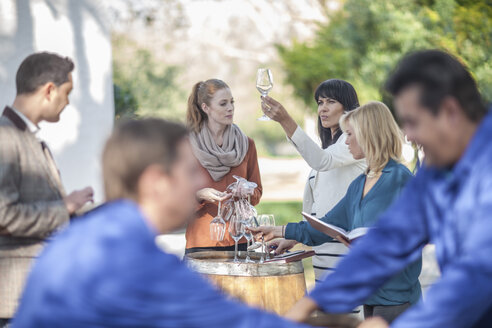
{"x": 372, "y": 133}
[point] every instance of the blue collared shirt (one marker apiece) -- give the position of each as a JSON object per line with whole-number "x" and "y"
{"x": 355, "y": 211}
{"x": 105, "y": 270}
{"x": 449, "y": 208}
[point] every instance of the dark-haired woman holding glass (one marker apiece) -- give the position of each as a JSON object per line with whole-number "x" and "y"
{"x": 333, "y": 166}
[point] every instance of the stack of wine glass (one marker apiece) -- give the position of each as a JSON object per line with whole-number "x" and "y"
{"x": 238, "y": 211}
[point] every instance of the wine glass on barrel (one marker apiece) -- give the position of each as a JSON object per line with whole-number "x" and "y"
{"x": 247, "y": 223}
{"x": 263, "y": 221}
{"x": 271, "y": 222}
{"x": 217, "y": 226}
{"x": 264, "y": 83}
{"x": 236, "y": 230}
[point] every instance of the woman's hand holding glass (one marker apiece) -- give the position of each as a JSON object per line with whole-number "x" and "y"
{"x": 266, "y": 233}
{"x": 211, "y": 195}
{"x": 281, "y": 245}
{"x": 274, "y": 110}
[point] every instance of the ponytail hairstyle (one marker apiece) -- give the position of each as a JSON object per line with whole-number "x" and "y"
{"x": 345, "y": 94}
{"x": 201, "y": 93}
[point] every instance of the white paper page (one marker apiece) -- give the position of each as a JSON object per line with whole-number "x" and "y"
{"x": 356, "y": 233}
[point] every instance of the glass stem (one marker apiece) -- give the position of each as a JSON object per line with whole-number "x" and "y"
{"x": 235, "y": 251}
{"x": 263, "y": 250}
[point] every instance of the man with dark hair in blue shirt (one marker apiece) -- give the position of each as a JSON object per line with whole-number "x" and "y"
{"x": 448, "y": 203}
{"x": 105, "y": 270}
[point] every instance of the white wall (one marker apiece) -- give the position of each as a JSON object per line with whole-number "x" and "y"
{"x": 78, "y": 29}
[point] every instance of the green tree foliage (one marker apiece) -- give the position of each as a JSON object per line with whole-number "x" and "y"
{"x": 363, "y": 41}
{"x": 143, "y": 85}
{"x": 125, "y": 103}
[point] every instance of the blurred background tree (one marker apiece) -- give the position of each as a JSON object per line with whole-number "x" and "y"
{"x": 363, "y": 40}
{"x": 143, "y": 85}
{"x": 159, "y": 45}
{"x": 163, "y": 47}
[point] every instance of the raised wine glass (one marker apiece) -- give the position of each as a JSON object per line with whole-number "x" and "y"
{"x": 236, "y": 230}
{"x": 264, "y": 83}
{"x": 217, "y": 226}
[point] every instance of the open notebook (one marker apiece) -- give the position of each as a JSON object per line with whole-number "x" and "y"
{"x": 292, "y": 256}
{"x": 343, "y": 236}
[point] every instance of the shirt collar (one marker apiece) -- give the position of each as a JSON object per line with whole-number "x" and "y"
{"x": 390, "y": 165}
{"x": 30, "y": 125}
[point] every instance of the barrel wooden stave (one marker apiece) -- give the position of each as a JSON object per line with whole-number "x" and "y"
{"x": 275, "y": 294}
{"x": 274, "y": 287}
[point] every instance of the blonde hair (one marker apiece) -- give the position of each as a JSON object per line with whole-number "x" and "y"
{"x": 201, "y": 93}
{"x": 377, "y": 133}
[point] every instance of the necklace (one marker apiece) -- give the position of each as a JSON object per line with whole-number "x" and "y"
{"x": 372, "y": 174}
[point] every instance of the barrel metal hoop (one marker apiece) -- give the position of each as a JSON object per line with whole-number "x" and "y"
{"x": 209, "y": 264}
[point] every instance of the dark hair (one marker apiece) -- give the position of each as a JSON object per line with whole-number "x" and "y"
{"x": 345, "y": 94}
{"x": 133, "y": 146}
{"x": 40, "y": 68}
{"x": 439, "y": 75}
{"x": 201, "y": 93}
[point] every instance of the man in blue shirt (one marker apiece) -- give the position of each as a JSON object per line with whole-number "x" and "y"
{"x": 105, "y": 270}
{"x": 448, "y": 203}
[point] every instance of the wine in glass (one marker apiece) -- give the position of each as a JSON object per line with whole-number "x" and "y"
{"x": 264, "y": 83}
{"x": 236, "y": 230}
{"x": 217, "y": 226}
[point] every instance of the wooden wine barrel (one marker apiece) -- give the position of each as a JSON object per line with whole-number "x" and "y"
{"x": 274, "y": 286}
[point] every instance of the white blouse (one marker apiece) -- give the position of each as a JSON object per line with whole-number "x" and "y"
{"x": 333, "y": 169}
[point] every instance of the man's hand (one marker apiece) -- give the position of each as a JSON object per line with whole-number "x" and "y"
{"x": 211, "y": 195}
{"x": 282, "y": 245}
{"x": 268, "y": 233}
{"x": 302, "y": 310}
{"x": 374, "y": 322}
{"x": 78, "y": 198}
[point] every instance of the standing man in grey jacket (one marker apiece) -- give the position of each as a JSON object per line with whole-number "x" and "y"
{"x": 33, "y": 203}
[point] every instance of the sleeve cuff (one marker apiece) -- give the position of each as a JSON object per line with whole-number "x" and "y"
{"x": 297, "y": 137}
{"x": 290, "y": 231}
